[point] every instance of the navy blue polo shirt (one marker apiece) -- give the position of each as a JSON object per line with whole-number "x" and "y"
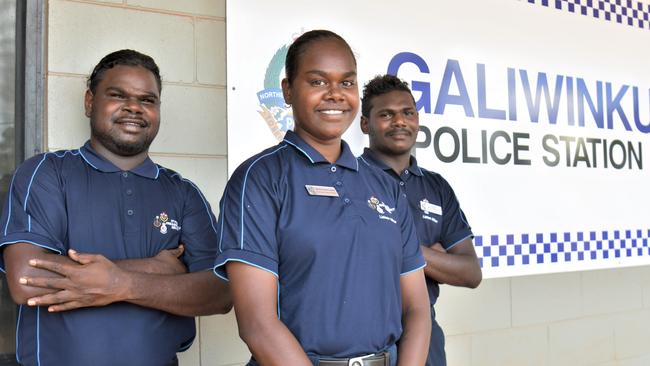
{"x": 435, "y": 208}
{"x": 75, "y": 199}
{"x": 336, "y": 236}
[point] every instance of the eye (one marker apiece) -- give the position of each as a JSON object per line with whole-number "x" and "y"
{"x": 318, "y": 82}
{"x": 149, "y": 101}
{"x": 385, "y": 115}
{"x": 116, "y": 95}
{"x": 348, "y": 83}
{"x": 409, "y": 113}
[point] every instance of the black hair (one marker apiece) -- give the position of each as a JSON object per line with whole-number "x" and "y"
{"x": 381, "y": 84}
{"x": 123, "y": 57}
{"x": 301, "y": 43}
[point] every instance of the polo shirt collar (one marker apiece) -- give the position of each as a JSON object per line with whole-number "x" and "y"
{"x": 147, "y": 169}
{"x": 346, "y": 160}
{"x": 372, "y": 157}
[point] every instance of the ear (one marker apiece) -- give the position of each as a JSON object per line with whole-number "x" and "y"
{"x": 286, "y": 91}
{"x": 364, "y": 125}
{"x": 88, "y": 102}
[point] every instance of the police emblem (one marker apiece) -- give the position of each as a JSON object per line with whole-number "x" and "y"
{"x": 373, "y": 202}
{"x": 382, "y": 208}
{"x": 277, "y": 115}
{"x": 162, "y": 222}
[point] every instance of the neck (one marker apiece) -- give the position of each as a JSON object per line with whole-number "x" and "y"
{"x": 123, "y": 162}
{"x": 330, "y": 151}
{"x": 330, "y": 148}
{"x": 396, "y": 162}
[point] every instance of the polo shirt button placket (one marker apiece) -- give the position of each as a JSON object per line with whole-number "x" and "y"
{"x": 129, "y": 200}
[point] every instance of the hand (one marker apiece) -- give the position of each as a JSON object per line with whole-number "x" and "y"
{"x": 438, "y": 247}
{"x": 167, "y": 262}
{"x": 92, "y": 281}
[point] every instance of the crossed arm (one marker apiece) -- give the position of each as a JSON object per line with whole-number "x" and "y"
{"x": 459, "y": 266}
{"x": 40, "y": 278}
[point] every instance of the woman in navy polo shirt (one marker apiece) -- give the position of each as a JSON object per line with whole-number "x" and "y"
{"x": 321, "y": 251}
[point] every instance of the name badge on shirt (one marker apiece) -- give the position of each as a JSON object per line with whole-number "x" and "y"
{"x": 428, "y": 207}
{"x": 321, "y": 191}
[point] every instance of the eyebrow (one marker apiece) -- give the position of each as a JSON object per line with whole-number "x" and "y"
{"x": 325, "y": 74}
{"x": 388, "y": 109}
{"x": 143, "y": 94}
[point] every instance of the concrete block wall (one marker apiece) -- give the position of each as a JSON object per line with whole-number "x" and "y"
{"x": 599, "y": 318}
{"x": 592, "y": 318}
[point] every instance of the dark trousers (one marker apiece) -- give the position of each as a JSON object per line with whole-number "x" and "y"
{"x": 437, "y": 355}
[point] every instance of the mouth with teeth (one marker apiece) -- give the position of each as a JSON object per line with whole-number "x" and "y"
{"x": 131, "y": 124}
{"x": 331, "y": 112}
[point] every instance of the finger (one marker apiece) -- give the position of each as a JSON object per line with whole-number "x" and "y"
{"x": 52, "y": 299}
{"x": 177, "y": 252}
{"x": 81, "y": 258}
{"x": 71, "y": 305}
{"x": 50, "y": 266}
{"x": 45, "y": 282}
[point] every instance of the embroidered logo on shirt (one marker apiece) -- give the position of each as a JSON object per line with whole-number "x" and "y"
{"x": 429, "y": 208}
{"x": 382, "y": 208}
{"x": 162, "y": 222}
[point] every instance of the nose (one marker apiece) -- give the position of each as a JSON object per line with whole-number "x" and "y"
{"x": 399, "y": 119}
{"x": 132, "y": 105}
{"x": 334, "y": 92}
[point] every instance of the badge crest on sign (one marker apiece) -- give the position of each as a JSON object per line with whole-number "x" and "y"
{"x": 277, "y": 115}
{"x": 162, "y": 222}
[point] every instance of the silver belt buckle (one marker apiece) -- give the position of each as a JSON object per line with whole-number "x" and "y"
{"x": 358, "y": 361}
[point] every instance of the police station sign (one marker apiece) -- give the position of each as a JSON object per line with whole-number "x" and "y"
{"x": 537, "y": 112}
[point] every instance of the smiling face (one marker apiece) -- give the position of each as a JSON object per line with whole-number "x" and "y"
{"x": 124, "y": 111}
{"x": 392, "y": 124}
{"x": 324, "y": 94}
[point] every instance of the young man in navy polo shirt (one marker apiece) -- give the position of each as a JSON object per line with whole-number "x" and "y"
{"x": 106, "y": 253}
{"x": 390, "y": 119}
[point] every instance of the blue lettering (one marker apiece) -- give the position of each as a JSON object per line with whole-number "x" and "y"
{"x": 637, "y": 119}
{"x": 596, "y": 110}
{"x": 483, "y": 110}
{"x": 512, "y": 95}
{"x": 569, "y": 100}
{"x": 552, "y": 107}
{"x": 615, "y": 105}
{"x": 444, "y": 98}
{"x": 417, "y": 86}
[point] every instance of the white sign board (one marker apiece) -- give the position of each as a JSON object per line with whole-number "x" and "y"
{"x": 537, "y": 113}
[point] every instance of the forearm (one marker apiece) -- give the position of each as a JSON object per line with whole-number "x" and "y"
{"x": 414, "y": 343}
{"x": 190, "y": 294}
{"x": 271, "y": 343}
{"x": 142, "y": 265}
{"x": 453, "y": 269}
{"x": 17, "y": 257}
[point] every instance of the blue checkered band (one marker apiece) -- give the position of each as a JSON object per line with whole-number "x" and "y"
{"x": 628, "y": 12}
{"x": 498, "y": 251}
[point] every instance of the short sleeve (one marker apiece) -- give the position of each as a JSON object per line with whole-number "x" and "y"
{"x": 412, "y": 258}
{"x": 34, "y": 211}
{"x": 455, "y": 227}
{"x": 248, "y": 219}
{"x": 198, "y": 230}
